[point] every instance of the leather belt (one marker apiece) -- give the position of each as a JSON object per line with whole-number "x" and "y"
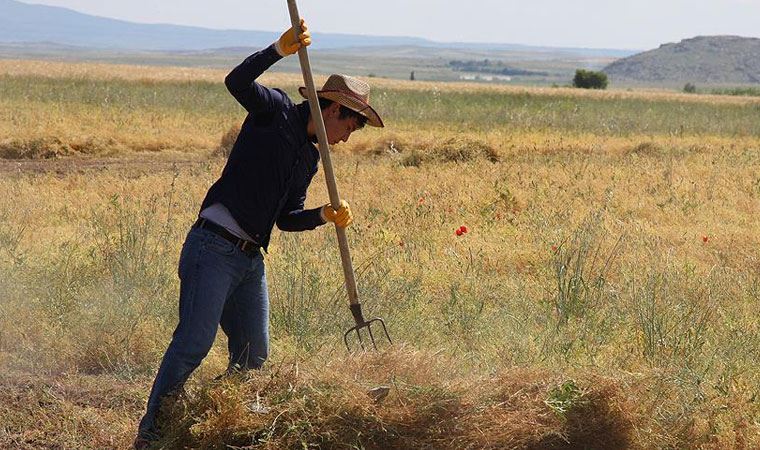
{"x": 250, "y": 248}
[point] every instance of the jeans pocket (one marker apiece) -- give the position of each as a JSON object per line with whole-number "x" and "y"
{"x": 219, "y": 245}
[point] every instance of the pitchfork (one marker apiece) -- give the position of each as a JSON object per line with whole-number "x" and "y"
{"x": 332, "y": 187}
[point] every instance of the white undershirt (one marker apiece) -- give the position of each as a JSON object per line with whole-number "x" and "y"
{"x": 220, "y": 215}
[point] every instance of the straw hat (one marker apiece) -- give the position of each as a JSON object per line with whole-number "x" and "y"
{"x": 351, "y": 93}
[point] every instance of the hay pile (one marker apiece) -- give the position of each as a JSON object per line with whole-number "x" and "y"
{"x": 307, "y": 406}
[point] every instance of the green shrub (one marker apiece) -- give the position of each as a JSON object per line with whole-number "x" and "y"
{"x": 690, "y": 88}
{"x": 588, "y": 79}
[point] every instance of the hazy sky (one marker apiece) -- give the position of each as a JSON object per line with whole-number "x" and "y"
{"x": 638, "y": 24}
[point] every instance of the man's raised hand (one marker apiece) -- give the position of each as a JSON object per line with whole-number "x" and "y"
{"x": 288, "y": 44}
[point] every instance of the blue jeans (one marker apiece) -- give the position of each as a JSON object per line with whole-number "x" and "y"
{"x": 219, "y": 285}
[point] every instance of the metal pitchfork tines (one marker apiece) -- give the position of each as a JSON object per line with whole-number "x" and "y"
{"x": 332, "y": 188}
{"x": 356, "y": 311}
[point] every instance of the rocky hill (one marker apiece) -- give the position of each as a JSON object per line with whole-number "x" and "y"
{"x": 703, "y": 59}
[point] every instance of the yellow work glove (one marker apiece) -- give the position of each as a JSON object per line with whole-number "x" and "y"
{"x": 288, "y": 44}
{"x": 342, "y": 217}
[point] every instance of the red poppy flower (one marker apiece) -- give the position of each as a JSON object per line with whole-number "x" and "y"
{"x": 705, "y": 239}
{"x": 459, "y": 232}
{"x": 463, "y": 228}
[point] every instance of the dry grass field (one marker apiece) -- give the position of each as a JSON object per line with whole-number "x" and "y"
{"x": 604, "y": 296}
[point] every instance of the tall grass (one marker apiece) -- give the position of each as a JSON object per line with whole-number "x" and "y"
{"x": 607, "y": 286}
{"x": 43, "y": 116}
{"x": 99, "y": 291}
{"x": 602, "y": 116}
{"x": 103, "y": 299}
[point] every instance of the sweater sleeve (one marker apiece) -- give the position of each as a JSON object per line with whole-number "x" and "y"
{"x": 294, "y": 218}
{"x": 241, "y": 82}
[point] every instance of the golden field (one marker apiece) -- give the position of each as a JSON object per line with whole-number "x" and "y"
{"x": 605, "y": 295}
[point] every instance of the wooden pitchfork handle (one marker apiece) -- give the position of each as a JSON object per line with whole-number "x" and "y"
{"x": 324, "y": 151}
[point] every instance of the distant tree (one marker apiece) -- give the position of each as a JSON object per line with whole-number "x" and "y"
{"x": 690, "y": 88}
{"x": 411, "y": 77}
{"x": 588, "y": 79}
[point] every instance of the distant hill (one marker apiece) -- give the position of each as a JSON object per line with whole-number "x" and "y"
{"x": 22, "y": 22}
{"x": 36, "y": 24}
{"x": 703, "y": 59}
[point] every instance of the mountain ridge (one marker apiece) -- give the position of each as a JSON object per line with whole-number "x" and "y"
{"x": 722, "y": 59}
{"x": 31, "y": 23}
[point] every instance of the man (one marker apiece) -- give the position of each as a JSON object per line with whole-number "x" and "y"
{"x": 221, "y": 267}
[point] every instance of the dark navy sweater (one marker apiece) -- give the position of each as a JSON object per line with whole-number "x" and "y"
{"x": 273, "y": 160}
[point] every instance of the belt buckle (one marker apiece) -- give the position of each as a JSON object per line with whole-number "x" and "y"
{"x": 243, "y": 245}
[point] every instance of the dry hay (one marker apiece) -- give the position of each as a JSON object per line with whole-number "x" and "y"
{"x": 409, "y": 150}
{"x": 49, "y": 147}
{"x": 227, "y": 142}
{"x": 39, "y": 411}
{"x": 413, "y": 151}
{"x": 308, "y": 406}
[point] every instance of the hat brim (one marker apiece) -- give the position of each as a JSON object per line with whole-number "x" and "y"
{"x": 352, "y": 103}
